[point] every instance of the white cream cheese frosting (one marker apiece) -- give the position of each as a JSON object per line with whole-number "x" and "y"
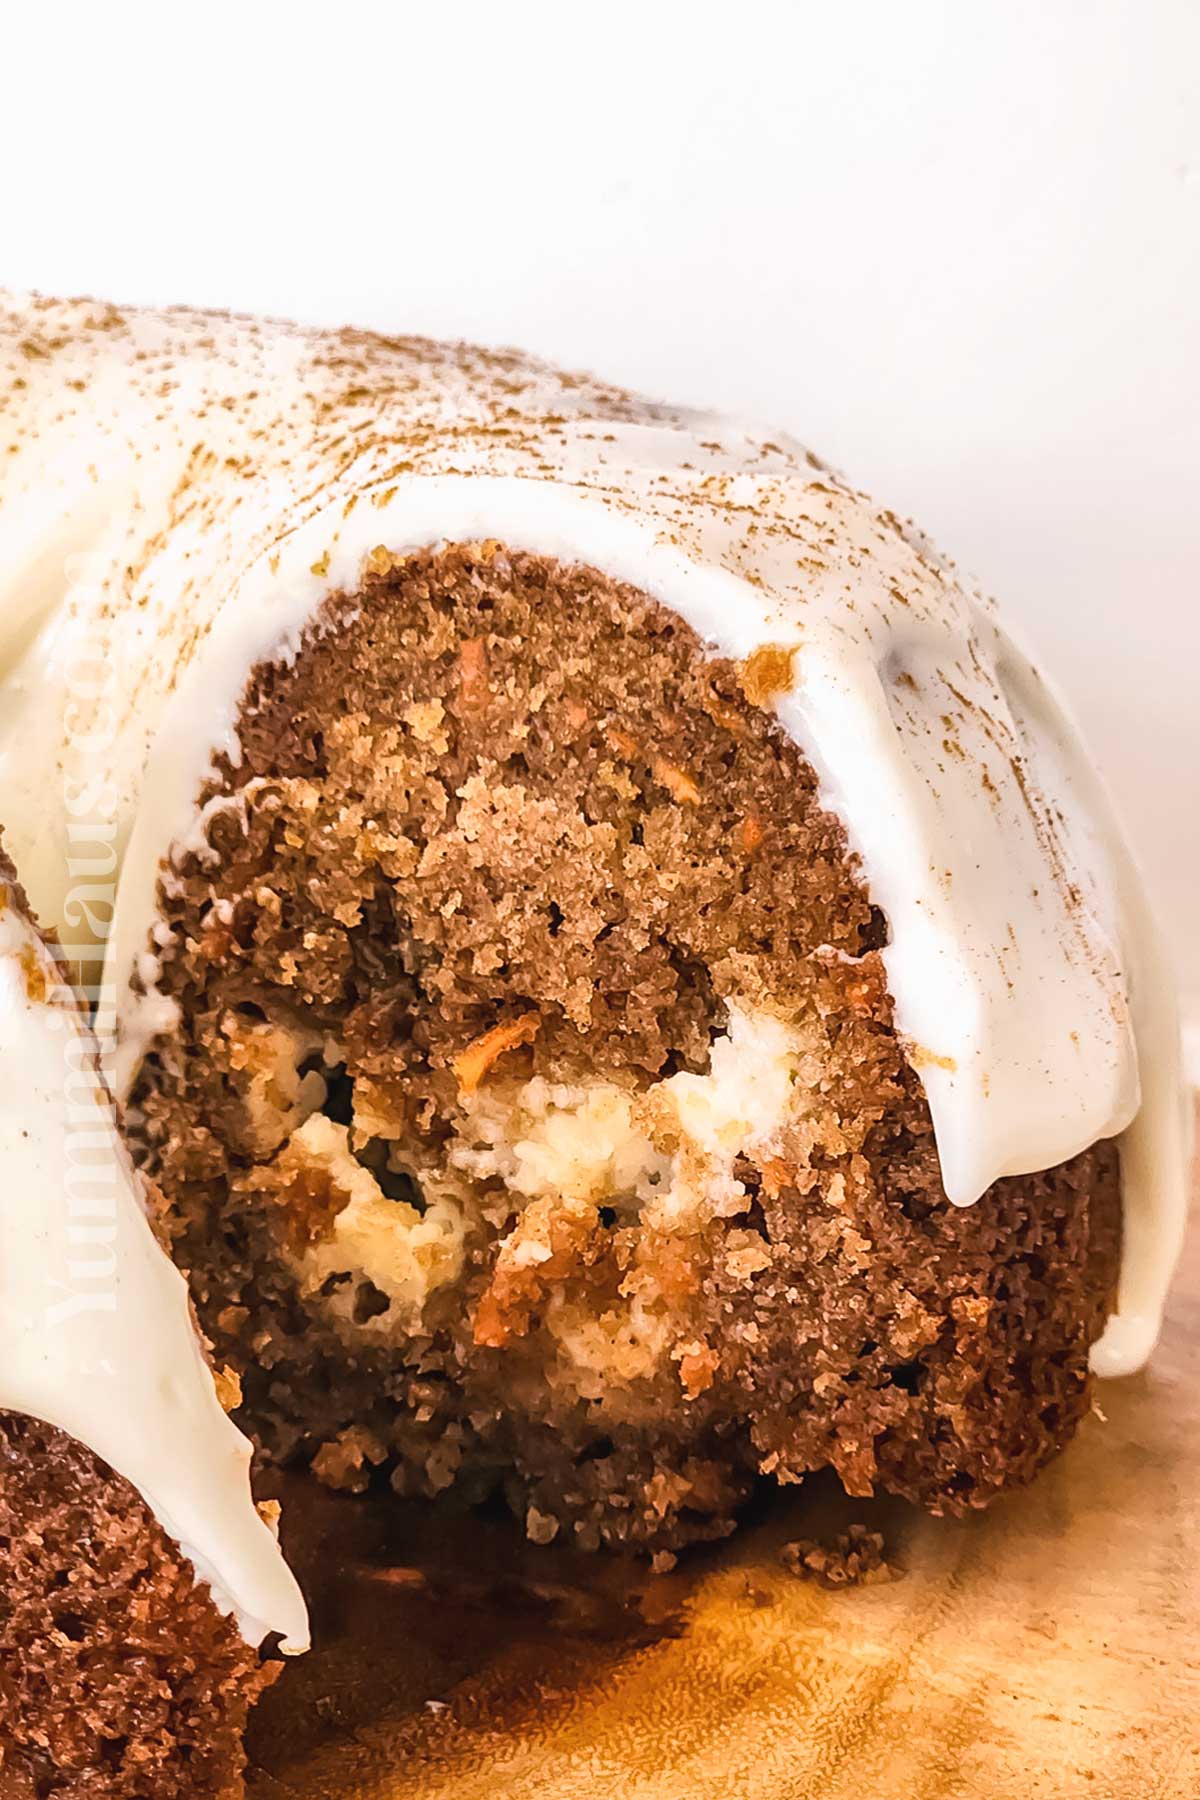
{"x": 96, "y": 1334}
{"x": 182, "y": 491}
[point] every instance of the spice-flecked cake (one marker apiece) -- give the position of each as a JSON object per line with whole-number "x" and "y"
{"x": 535, "y": 1112}
{"x": 625, "y": 979}
{"x": 129, "y": 1620}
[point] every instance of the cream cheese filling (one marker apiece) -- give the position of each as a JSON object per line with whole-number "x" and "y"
{"x": 664, "y": 1157}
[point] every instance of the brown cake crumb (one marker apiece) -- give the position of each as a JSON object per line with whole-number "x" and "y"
{"x": 118, "y": 1675}
{"x": 506, "y": 860}
{"x": 346, "y": 1461}
{"x": 854, "y": 1559}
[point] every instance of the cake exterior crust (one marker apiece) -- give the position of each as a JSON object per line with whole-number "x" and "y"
{"x": 118, "y": 1676}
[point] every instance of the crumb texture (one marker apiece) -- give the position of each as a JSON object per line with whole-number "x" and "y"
{"x": 536, "y": 1121}
{"x": 119, "y": 1679}
{"x": 856, "y": 1558}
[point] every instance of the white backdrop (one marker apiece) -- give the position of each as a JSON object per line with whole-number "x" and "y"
{"x": 956, "y": 247}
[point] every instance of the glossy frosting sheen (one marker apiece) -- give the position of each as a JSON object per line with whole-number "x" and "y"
{"x": 96, "y": 1334}
{"x": 222, "y": 476}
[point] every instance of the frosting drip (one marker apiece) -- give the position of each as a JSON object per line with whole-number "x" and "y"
{"x": 96, "y": 1334}
{"x": 184, "y": 490}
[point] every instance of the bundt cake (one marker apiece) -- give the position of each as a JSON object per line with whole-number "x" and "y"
{"x": 623, "y": 978}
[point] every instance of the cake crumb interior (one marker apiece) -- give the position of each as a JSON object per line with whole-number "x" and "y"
{"x": 535, "y": 1116}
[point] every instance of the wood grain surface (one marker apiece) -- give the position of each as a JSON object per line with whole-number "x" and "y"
{"x": 1049, "y": 1647}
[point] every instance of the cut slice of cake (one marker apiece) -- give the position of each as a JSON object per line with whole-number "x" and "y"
{"x": 626, "y": 979}
{"x": 533, "y": 1111}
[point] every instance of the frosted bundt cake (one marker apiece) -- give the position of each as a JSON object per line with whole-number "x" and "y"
{"x": 624, "y": 978}
{"x": 136, "y": 1577}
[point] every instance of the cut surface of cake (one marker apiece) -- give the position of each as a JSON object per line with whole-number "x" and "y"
{"x": 535, "y": 1113}
{"x": 624, "y": 976}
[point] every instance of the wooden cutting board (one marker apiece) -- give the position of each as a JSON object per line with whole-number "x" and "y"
{"x": 1050, "y": 1647}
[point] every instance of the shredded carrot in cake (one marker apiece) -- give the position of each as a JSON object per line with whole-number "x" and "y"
{"x": 624, "y": 743}
{"x": 473, "y": 687}
{"x": 228, "y": 1386}
{"x": 677, "y": 781}
{"x": 767, "y": 672}
{"x": 698, "y": 1365}
{"x": 776, "y": 1175}
{"x": 750, "y": 833}
{"x": 473, "y": 1063}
